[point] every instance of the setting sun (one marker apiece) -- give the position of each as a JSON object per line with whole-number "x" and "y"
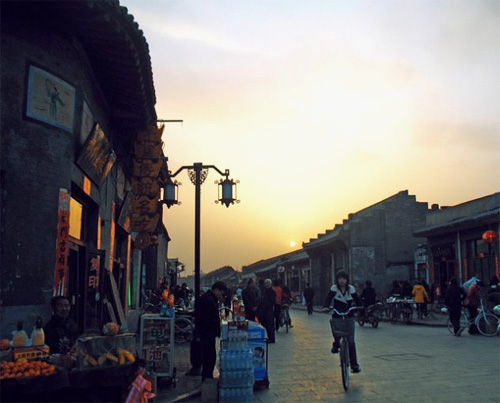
{"x": 292, "y": 244}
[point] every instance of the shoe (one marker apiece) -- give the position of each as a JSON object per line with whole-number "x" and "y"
{"x": 356, "y": 369}
{"x": 290, "y": 325}
{"x": 271, "y": 341}
{"x": 335, "y": 350}
{"x": 193, "y": 372}
{"x": 459, "y": 332}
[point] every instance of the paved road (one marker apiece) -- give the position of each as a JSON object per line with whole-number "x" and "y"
{"x": 399, "y": 363}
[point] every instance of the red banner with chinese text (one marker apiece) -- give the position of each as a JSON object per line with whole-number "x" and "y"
{"x": 61, "y": 266}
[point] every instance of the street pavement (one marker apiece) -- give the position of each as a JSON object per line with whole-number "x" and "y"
{"x": 400, "y": 363}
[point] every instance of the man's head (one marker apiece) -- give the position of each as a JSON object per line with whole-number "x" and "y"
{"x": 251, "y": 282}
{"x": 268, "y": 283}
{"x": 219, "y": 288}
{"x": 61, "y": 306}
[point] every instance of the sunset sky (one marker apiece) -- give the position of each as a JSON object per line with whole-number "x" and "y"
{"x": 320, "y": 109}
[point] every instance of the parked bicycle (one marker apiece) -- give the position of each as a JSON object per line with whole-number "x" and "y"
{"x": 285, "y": 316}
{"x": 184, "y": 326}
{"x": 341, "y": 330}
{"x": 400, "y": 309}
{"x": 183, "y": 322}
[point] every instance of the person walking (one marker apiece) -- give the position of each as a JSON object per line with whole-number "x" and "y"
{"x": 309, "y": 296}
{"x": 473, "y": 303}
{"x": 343, "y": 296}
{"x": 207, "y": 328}
{"x": 250, "y": 299}
{"x": 265, "y": 310}
{"x": 420, "y": 297}
{"x": 277, "y": 303}
{"x": 455, "y": 295}
{"x": 368, "y": 295}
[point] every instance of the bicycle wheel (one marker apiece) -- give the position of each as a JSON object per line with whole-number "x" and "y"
{"x": 487, "y": 324}
{"x": 183, "y": 331}
{"x": 344, "y": 363}
{"x": 375, "y": 322}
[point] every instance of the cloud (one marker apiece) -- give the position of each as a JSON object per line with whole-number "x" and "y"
{"x": 453, "y": 135}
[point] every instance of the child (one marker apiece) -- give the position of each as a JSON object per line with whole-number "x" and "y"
{"x": 140, "y": 389}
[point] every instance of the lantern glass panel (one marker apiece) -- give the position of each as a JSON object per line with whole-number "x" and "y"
{"x": 170, "y": 192}
{"x": 227, "y": 190}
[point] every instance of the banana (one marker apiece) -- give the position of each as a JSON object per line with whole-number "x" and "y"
{"x": 91, "y": 360}
{"x": 102, "y": 359}
{"x": 112, "y": 357}
{"x": 128, "y": 355}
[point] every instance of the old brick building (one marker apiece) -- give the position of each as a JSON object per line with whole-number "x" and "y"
{"x": 76, "y": 88}
{"x": 376, "y": 243}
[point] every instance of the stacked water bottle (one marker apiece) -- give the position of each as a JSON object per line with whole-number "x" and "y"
{"x": 236, "y": 367}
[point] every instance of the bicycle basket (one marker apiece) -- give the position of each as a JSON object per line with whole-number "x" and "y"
{"x": 339, "y": 327}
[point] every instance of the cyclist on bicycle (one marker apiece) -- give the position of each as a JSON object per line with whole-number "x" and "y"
{"x": 287, "y": 300}
{"x": 344, "y": 296}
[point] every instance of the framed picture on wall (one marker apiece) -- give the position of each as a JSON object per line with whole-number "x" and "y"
{"x": 87, "y": 122}
{"x": 50, "y": 99}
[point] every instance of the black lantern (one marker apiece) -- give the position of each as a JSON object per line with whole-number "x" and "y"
{"x": 227, "y": 187}
{"x": 171, "y": 192}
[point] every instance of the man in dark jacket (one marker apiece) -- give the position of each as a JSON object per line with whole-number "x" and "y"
{"x": 250, "y": 299}
{"x": 207, "y": 326}
{"x": 60, "y": 331}
{"x": 265, "y": 311}
{"x": 455, "y": 295}
{"x": 309, "y": 296}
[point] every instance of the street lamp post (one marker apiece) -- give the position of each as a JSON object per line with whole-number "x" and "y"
{"x": 197, "y": 174}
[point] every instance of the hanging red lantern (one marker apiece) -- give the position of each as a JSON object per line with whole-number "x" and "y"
{"x": 490, "y": 236}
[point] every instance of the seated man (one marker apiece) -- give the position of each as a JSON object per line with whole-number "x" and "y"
{"x": 60, "y": 331}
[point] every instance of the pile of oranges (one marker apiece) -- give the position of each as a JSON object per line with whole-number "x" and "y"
{"x": 24, "y": 369}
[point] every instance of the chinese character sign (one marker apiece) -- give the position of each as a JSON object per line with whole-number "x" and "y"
{"x": 61, "y": 266}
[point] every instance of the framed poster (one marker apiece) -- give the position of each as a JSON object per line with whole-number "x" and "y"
{"x": 50, "y": 99}
{"x": 97, "y": 157}
{"x": 87, "y": 122}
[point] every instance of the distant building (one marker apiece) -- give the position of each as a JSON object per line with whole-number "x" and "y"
{"x": 376, "y": 243}
{"x": 455, "y": 247}
{"x": 292, "y": 269}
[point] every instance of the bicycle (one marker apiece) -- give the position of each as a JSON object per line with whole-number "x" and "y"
{"x": 400, "y": 308}
{"x": 285, "y": 316}
{"x": 486, "y": 322}
{"x": 342, "y": 332}
{"x": 464, "y": 320}
{"x": 184, "y": 326}
{"x": 183, "y": 322}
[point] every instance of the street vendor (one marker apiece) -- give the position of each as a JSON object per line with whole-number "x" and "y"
{"x": 60, "y": 331}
